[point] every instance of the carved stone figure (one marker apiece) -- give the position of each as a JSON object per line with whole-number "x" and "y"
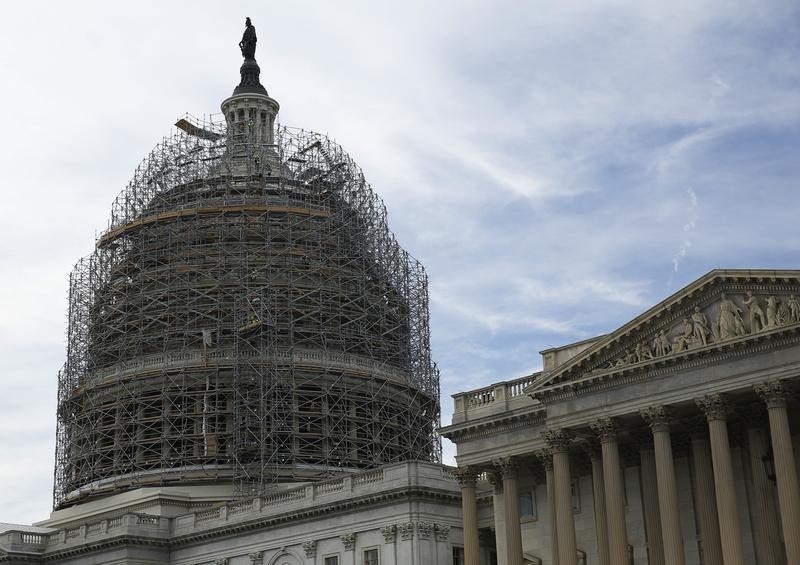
{"x": 756, "y": 314}
{"x": 661, "y": 344}
{"x": 783, "y": 313}
{"x": 700, "y": 329}
{"x": 730, "y": 319}
{"x": 794, "y": 309}
{"x": 772, "y": 312}
{"x": 248, "y": 42}
{"x": 686, "y": 339}
{"x": 642, "y": 353}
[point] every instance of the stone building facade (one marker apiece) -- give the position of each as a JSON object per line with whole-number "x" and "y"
{"x": 399, "y": 514}
{"x": 670, "y": 440}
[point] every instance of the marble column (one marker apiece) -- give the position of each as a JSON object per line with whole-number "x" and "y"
{"x": 766, "y": 521}
{"x": 558, "y": 440}
{"x": 615, "y": 495}
{"x": 508, "y": 468}
{"x": 652, "y": 515}
{"x": 599, "y": 499}
{"x": 775, "y": 395}
{"x": 724, "y": 485}
{"x": 706, "y": 501}
{"x": 546, "y": 459}
{"x": 656, "y": 417}
{"x": 469, "y": 506}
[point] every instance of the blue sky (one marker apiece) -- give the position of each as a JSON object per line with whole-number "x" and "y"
{"x": 558, "y": 167}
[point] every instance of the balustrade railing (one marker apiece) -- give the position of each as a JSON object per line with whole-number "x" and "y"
{"x": 496, "y": 394}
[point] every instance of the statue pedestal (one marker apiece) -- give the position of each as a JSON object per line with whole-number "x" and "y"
{"x": 250, "y": 83}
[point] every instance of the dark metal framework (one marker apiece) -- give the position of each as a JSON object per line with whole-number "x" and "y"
{"x": 247, "y": 317}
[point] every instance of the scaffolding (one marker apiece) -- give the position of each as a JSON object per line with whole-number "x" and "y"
{"x": 247, "y": 316}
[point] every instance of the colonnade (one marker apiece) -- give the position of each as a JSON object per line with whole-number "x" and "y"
{"x": 716, "y": 508}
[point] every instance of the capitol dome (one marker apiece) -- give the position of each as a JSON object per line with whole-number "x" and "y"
{"x": 247, "y": 318}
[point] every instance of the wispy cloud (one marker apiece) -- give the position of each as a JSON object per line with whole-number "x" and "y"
{"x": 688, "y": 230}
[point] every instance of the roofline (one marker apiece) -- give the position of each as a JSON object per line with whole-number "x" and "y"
{"x": 687, "y": 290}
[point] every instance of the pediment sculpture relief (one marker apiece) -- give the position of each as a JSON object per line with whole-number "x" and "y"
{"x": 731, "y": 317}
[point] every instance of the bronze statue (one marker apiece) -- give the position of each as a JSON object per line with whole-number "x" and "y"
{"x": 248, "y": 42}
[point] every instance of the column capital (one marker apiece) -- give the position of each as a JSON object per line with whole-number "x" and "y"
{"x": 773, "y": 393}
{"x": 466, "y": 476}
{"x": 545, "y": 458}
{"x": 605, "y": 428}
{"x": 657, "y": 417}
{"x": 557, "y": 439}
{"x": 495, "y": 479}
{"x": 389, "y": 533}
{"x": 713, "y": 406}
{"x": 507, "y": 467}
{"x": 310, "y": 548}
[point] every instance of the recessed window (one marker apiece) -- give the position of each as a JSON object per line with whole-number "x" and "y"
{"x": 332, "y": 560}
{"x": 527, "y": 505}
{"x": 371, "y": 556}
{"x": 458, "y": 556}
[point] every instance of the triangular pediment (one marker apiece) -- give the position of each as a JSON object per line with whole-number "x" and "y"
{"x": 724, "y": 308}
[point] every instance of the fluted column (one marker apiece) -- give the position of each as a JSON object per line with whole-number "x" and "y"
{"x": 775, "y": 396}
{"x": 615, "y": 495}
{"x": 558, "y": 441}
{"x": 599, "y": 499}
{"x": 729, "y": 526}
{"x": 766, "y": 520}
{"x": 706, "y": 501}
{"x": 656, "y": 418}
{"x": 508, "y": 468}
{"x": 652, "y": 516}
{"x": 469, "y": 508}
{"x": 545, "y": 457}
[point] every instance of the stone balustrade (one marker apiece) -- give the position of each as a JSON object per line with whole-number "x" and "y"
{"x": 496, "y": 398}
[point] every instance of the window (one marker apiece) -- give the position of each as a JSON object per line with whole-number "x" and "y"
{"x": 575, "y": 491}
{"x": 527, "y": 505}
{"x": 371, "y": 556}
{"x": 332, "y": 560}
{"x": 458, "y": 555}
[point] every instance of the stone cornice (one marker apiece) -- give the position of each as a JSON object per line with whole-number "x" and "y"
{"x": 105, "y": 543}
{"x": 493, "y": 424}
{"x": 402, "y": 493}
